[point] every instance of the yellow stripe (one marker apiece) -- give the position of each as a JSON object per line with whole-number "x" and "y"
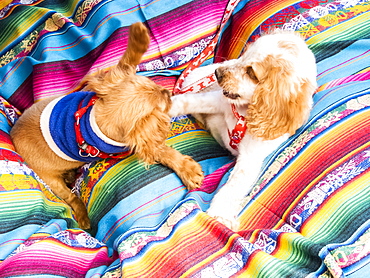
{"x": 285, "y": 249}
{"x": 356, "y": 193}
{"x": 347, "y": 126}
{"x": 212, "y": 257}
{"x": 162, "y": 252}
{"x": 311, "y": 153}
{"x": 7, "y": 146}
{"x": 256, "y": 264}
{"x": 32, "y": 195}
{"x": 193, "y": 134}
{"x": 334, "y": 31}
{"x": 4, "y": 3}
{"x": 23, "y": 25}
{"x": 337, "y": 30}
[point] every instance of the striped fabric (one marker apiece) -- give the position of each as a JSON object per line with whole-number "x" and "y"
{"x": 308, "y": 214}
{"x": 50, "y": 47}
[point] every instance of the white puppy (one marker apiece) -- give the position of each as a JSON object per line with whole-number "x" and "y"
{"x": 258, "y": 101}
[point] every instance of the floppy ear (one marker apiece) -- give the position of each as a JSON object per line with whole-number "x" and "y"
{"x": 147, "y": 119}
{"x": 139, "y": 108}
{"x": 157, "y": 124}
{"x": 103, "y": 82}
{"x": 281, "y": 102}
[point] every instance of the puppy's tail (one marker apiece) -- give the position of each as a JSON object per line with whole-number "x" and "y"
{"x": 138, "y": 43}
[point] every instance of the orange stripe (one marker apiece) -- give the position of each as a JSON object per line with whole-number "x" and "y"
{"x": 350, "y": 129}
{"x": 354, "y": 195}
{"x": 158, "y": 257}
{"x": 212, "y": 257}
{"x": 286, "y": 180}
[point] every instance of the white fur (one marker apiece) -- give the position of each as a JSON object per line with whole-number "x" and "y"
{"x": 213, "y": 108}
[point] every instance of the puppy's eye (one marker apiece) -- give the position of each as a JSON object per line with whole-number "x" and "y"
{"x": 251, "y": 74}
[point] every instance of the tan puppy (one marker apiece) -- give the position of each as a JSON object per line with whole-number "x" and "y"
{"x": 129, "y": 112}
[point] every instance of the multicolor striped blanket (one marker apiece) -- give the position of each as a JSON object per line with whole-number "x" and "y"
{"x": 307, "y": 216}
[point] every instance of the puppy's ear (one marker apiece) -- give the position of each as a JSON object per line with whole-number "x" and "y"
{"x": 104, "y": 82}
{"x": 281, "y": 102}
{"x": 139, "y": 108}
{"x": 156, "y": 124}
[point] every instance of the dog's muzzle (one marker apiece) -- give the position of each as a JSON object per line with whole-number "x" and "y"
{"x": 220, "y": 76}
{"x": 230, "y": 95}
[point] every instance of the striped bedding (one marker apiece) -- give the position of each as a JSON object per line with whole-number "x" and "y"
{"x": 309, "y": 212}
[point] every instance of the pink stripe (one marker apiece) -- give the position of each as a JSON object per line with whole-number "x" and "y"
{"x": 340, "y": 81}
{"x": 45, "y": 86}
{"x": 212, "y": 181}
{"x": 54, "y": 256}
{"x": 164, "y": 36}
{"x": 114, "y": 50}
{"x": 197, "y": 25}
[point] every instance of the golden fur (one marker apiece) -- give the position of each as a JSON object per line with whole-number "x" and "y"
{"x": 281, "y": 99}
{"x": 131, "y": 109}
{"x": 279, "y": 105}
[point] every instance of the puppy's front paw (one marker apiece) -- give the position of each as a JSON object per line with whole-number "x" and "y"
{"x": 191, "y": 174}
{"x": 177, "y": 106}
{"x": 139, "y": 37}
{"x": 224, "y": 217}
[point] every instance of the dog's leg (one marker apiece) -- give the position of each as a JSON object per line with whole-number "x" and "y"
{"x": 227, "y": 202}
{"x": 186, "y": 168}
{"x": 205, "y": 103}
{"x": 58, "y": 186}
{"x": 154, "y": 150}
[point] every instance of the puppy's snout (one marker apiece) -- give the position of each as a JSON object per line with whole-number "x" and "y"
{"x": 219, "y": 75}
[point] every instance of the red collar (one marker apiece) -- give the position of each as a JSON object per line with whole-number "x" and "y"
{"x": 85, "y": 148}
{"x": 237, "y": 134}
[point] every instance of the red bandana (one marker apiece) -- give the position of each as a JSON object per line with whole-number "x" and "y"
{"x": 237, "y": 134}
{"x": 85, "y": 148}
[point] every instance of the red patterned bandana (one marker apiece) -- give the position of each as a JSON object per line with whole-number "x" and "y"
{"x": 237, "y": 134}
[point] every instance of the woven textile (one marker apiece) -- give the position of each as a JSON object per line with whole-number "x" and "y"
{"x": 308, "y": 214}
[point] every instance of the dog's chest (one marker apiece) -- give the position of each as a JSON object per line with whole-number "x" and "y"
{"x": 220, "y": 125}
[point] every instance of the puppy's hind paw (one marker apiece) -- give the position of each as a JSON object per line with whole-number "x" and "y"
{"x": 191, "y": 174}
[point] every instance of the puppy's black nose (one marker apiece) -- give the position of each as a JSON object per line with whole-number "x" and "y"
{"x": 218, "y": 75}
